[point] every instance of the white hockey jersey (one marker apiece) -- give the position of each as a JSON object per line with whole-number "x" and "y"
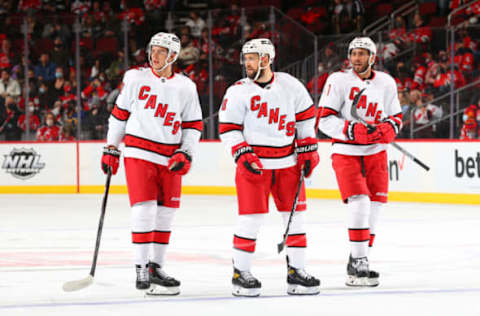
{"x": 155, "y": 115}
{"x": 267, "y": 118}
{"x": 378, "y": 101}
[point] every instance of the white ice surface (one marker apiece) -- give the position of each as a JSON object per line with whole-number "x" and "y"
{"x": 428, "y": 256}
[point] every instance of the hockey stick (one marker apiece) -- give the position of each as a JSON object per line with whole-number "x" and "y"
{"x": 281, "y": 245}
{"x": 353, "y": 112}
{"x": 76, "y": 285}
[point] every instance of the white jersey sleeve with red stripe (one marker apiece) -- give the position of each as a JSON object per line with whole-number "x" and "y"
{"x": 267, "y": 118}
{"x": 155, "y": 115}
{"x": 378, "y": 101}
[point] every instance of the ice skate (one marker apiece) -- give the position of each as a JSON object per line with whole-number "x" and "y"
{"x": 245, "y": 284}
{"x": 359, "y": 274}
{"x": 301, "y": 283}
{"x": 142, "y": 282}
{"x": 160, "y": 282}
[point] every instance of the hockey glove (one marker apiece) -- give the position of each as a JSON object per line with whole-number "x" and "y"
{"x": 110, "y": 159}
{"x": 307, "y": 155}
{"x": 180, "y": 162}
{"x": 389, "y": 129}
{"x": 361, "y": 134}
{"x": 246, "y": 160}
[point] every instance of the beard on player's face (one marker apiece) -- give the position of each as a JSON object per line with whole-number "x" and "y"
{"x": 360, "y": 68}
{"x": 252, "y": 72}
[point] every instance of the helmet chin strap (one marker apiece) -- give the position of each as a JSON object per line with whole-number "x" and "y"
{"x": 260, "y": 68}
{"x": 370, "y": 64}
{"x": 166, "y": 61}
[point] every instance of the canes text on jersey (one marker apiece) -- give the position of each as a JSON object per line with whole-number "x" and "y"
{"x": 362, "y": 103}
{"x": 273, "y": 115}
{"x": 160, "y": 109}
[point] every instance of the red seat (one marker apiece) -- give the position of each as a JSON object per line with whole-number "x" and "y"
{"x": 84, "y": 42}
{"x": 428, "y": 8}
{"x": 384, "y": 9}
{"x": 17, "y": 45}
{"x": 438, "y": 21}
{"x": 295, "y": 13}
{"x": 106, "y": 44}
{"x": 67, "y": 18}
{"x": 42, "y": 45}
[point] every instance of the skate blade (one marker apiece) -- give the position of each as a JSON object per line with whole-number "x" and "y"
{"x": 373, "y": 282}
{"x": 296, "y": 289}
{"x": 241, "y": 291}
{"x": 162, "y": 290}
{"x": 354, "y": 281}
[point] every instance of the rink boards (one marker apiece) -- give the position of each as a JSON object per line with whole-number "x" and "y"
{"x": 74, "y": 167}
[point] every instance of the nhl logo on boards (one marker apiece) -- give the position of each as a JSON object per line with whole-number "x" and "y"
{"x": 22, "y": 163}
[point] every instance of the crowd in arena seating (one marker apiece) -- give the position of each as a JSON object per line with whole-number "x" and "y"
{"x": 53, "y": 81}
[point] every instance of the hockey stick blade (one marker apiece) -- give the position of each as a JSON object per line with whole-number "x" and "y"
{"x": 76, "y": 285}
{"x": 281, "y": 245}
{"x": 353, "y": 112}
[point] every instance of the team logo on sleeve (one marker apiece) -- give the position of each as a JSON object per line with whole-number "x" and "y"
{"x": 22, "y": 163}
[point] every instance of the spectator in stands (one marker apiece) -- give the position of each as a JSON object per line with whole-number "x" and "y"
{"x": 355, "y": 13}
{"x": 7, "y": 58}
{"x": 33, "y": 118}
{"x": 60, "y": 56}
{"x": 426, "y": 113}
{"x": 322, "y": 78}
{"x": 57, "y": 29}
{"x": 116, "y": 67}
{"x": 33, "y": 81}
{"x": 330, "y": 59}
{"x": 9, "y": 87}
{"x": 96, "y": 120}
{"x": 403, "y": 78}
{"x": 189, "y": 53}
{"x": 139, "y": 57}
{"x": 196, "y": 24}
{"x": 46, "y": 96}
{"x": 68, "y": 133}
{"x": 443, "y": 79}
{"x": 50, "y": 131}
{"x": 470, "y": 129}
{"x": 9, "y": 125}
{"x": 45, "y": 69}
{"x": 422, "y": 33}
{"x": 335, "y": 9}
{"x": 57, "y": 111}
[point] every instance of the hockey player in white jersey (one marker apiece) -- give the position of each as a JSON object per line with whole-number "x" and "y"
{"x": 159, "y": 117}
{"x": 359, "y": 155}
{"x": 267, "y": 123}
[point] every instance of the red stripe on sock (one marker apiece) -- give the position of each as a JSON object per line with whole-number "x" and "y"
{"x": 359, "y": 234}
{"x": 161, "y": 237}
{"x": 244, "y": 244}
{"x": 297, "y": 240}
{"x": 142, "y": 238}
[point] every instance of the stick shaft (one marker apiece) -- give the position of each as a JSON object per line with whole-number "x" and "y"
{"x": 353, "y": 112}
{"x": 100, "y": 224}
{"x": 294, "y": 206}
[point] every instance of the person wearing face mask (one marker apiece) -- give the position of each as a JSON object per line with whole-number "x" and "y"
{"x": 59, "y": 54}
{"x": 50, "y": 131}
{"x": 403, "y": 80}
{"x": 470, "y": 129}
{"x": 46, "y": 96}
{"x": 322, "y": 78}
{"x": 34, "y": 120}
{"x": 9, "y": 126}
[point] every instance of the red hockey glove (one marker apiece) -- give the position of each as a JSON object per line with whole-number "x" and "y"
{"x": 307, "y": 155}
{"x": 389, "y": 129}
{"x": 361, "y": 134}
{"x": 180, "y": 162}
{"x": 246, "y": 159}
{"x": 110, "y": 159}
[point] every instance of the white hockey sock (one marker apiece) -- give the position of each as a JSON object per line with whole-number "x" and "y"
{"x": 296, "y": 240}
{"x": 358, "y": 226}
{"x": 244, "y": 240}
{"x": 375, "y": 209}
{"x": 161, "y": 233}
{"x": 143, "y": 215}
